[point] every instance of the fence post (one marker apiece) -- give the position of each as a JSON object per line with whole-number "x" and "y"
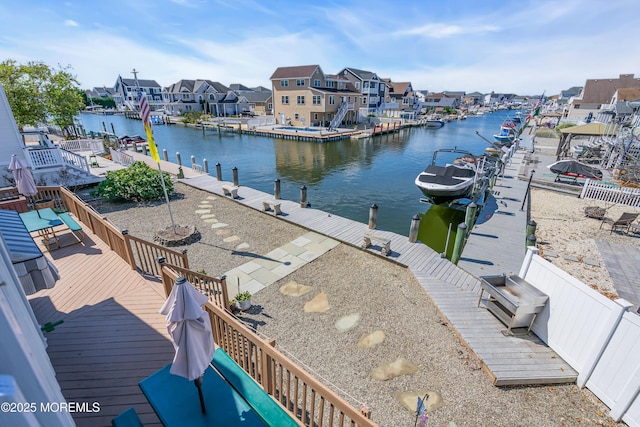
{"x": 165, "y": 282}
{"x": 218, "y": 172}
{"x": 526, "y": 262}
{"x": 373, "y": 216}
{"x": 276, "y": 189}
{"x": 127, "y": 247}
{"x": 234, "y": 172}
{"x": 413, "y": 230}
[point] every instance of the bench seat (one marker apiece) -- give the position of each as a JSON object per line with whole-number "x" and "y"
{"x": 73, "y": 225}
{"x": 230, "y": 190}
{"x": 385, "y": 244}
{"x": 271, "y": 204}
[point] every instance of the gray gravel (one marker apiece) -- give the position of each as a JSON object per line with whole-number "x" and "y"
{"x": 388, "y": 298}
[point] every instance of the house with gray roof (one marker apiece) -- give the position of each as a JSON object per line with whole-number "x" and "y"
{"x": 194, "y": 95}
{"x": 373, "y": 90}
{"x": 596, "y": 93}
{"x": 126, "y": 96}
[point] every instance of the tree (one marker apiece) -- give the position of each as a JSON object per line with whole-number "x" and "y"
{"x": 37, "y": 92}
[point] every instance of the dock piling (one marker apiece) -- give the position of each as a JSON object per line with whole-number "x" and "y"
{"x": 178, "y": 158}
{"x": 165, "y": 154}
{"x": 303, "y": 196}
{"x": 373, "y": 216}
{"x": 531, "y": 241}
{"x": 459, "y": 244}
{"x": 276, "y": 189}
{"x": 218, "y": 171}
{"x": 205, "y": 165}
{"x": 234, "y": 172}
{"x": 415, "y": 226}
{"x": 470, "y": 216}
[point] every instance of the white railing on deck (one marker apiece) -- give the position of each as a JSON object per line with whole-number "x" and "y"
{"x": 94, "y": 145}
{"x": 75, "y": 161}
{"x": 596, "y": 190}
{"x": 598, "y": 337}
{"x": 44, "y": 157}
{"x": 121, "y": 158}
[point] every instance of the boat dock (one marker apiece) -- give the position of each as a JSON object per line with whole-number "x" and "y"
{"x": 508, "y": 360}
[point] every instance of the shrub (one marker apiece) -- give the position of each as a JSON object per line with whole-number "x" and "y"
{"x": 136, "y": 183}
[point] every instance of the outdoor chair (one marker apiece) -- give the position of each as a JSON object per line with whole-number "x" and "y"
{"x": 624, "y": 222}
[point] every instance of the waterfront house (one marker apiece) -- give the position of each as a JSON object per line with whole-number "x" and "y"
{"x": 193, "y": 95}
{"x": 306, "y": 96}
{"x": 400, "y": 100}
{"x": 260, "y": 101}
{"x": 438, "y": 102}
{"x": 596, "y": 93}
{"x": 126, "y": 96}
{"x": 372, "y": 89}
{"x": 473, "y": 98}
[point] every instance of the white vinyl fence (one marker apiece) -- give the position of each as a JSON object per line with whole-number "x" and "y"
{"x": 597, "y": 190}
{"x": 598, "y": 337}
{"x": 121, "y": 158}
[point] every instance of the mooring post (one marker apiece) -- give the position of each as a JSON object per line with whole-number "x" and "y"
{"x": 415, "y": 226}
{"x": 373, "y": 216}
{"x": 470, "y": 216}
{"x": 178, "y": 158}
{"x": 205, "y": 165}
{"x": 193, "y": 161}
{"x": 459, "y": 244}
{"x": 531, "y": 241}
{"x": 165, "y": 154}
{"x": 303, "y": 196}
{"x": 531, "y": 227}
{"x": 234, "y": 172}
{"x": 218, "y": 171}
{"x": 276, "y": 189}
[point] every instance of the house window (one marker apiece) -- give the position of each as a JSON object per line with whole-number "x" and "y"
{"x": 300, "y": 99}
{"x": 270, "y": 106}
{"x": 185, "y": 96}
{"x": 315, "y": 116}
{"x": 373, "y": 85}
{"x": 300, "y": 82}
{"x": 316, "y": 99}
{"x": 328, "y": 83}
{"x": 296, "y": 116}
{"x": 405, "y": 101}
{"x": 365, "y": 85}
{"x": 285, "y": 99}
{"x": 212, "y": 97}
{"x": 332, "y": 100}
{"x": 284, "y": 83}
{"x": 364, "y": 99}
{"x": 358, "y": 85}
{"x": 316, "y": 82}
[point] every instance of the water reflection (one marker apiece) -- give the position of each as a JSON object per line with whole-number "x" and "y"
{"x": 434, "y": 227}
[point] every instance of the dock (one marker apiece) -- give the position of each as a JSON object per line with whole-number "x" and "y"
{"x": 508, "y": 360}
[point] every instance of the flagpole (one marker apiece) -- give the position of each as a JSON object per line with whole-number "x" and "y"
{"x": 144, "y": 116}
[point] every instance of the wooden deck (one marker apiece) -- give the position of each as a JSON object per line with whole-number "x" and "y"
{"x": 112, "y": 336}
{"x": 507, "y": 360}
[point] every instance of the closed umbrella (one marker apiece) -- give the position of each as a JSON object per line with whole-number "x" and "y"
{"x": 24, "y": 180}
{"x": 190, "y": 330}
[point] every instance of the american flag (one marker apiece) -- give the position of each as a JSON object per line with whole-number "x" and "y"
{"x": 145, "y": 115}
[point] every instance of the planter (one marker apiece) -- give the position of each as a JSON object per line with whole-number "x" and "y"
{"x": 243, "y": 305}
{"x": 44, "y": 203}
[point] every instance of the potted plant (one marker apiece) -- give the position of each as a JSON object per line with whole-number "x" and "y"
{"x": 243, "y": 300}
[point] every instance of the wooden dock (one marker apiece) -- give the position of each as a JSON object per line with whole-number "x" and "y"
{"x": 113, "y": 335}
{"x": 519, "y": 359}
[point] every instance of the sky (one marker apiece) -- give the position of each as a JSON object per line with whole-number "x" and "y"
{"x": 524, "y": 47}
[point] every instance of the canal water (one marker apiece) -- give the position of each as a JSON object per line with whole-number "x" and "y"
{"x": 342, "y": 177}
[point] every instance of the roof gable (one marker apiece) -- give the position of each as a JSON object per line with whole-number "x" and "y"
{"x": 300, "y": 71}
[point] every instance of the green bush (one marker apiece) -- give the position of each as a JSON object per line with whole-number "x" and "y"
{"x": 136, "y": 183}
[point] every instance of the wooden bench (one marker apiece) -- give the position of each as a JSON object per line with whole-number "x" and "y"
{"x": 272, "y": 412}
{"x": 75, "y": 228}
{"x": 230, "y": 190}
{"x": 271, "y": 204}
{"x": 385, "y": 244}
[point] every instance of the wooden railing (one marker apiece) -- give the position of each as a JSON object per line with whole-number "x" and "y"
{"x": 214, "y": 287}
{"x": 138, "y": 253}
{"x": 301, "y": 394}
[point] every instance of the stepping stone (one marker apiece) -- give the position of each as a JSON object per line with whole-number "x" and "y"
{"x": 204, "y": 206}
{"x": 550, "y": 254}
{"x": 204, "y": 202}
{"x": 211, "y": 220}
{"x": 593, "y": 262}
{"x": 205, "y": 216}
{"x": 347, "y": 323}
{"x": 219, "y": 225}
{"x": 203, "y": 211}
{"x": 409, "y": 400}
{"x": 571, "y": 258}
{"x": 319, "y": 304}
{"x": 222, "y": 232}
{"x": 294, "y": 289}
{"x": 371, "y": 340}
{"x": 394, "y": 369}
{"x": 212, "y": 198}
{"x": 242, "y": 246}
{"x": 231, "y": 239}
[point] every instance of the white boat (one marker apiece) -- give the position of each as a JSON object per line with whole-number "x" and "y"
{"x": 434, "y": 123}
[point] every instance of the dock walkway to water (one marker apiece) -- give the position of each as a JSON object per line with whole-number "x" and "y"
{"x": 509, "y": 360}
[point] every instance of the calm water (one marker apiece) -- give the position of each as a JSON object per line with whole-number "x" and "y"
{"x": 344, "y": 177}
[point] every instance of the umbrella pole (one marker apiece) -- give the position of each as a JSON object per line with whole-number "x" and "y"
{"x": 198, "y": 383}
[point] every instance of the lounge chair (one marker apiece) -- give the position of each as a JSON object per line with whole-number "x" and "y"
{"x": 623, "y": 222}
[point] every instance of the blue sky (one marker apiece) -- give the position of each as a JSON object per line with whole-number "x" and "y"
{"x": 523, "y": 47}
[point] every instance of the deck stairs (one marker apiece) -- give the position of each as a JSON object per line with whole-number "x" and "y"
{"x": 342, "y": 112}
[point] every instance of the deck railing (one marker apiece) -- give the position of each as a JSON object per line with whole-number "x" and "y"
{"x": 214, "y": 287}
{"x": 139, "y": 253}
{"x": 301, "y": 394}
{"x": 96, "y": 146}
{"x": 121, "y": 158}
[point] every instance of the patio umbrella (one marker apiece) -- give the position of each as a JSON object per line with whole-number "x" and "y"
{"x": 574, "y": 168}
{"x": 190, "y": 330}
{"x": 24, "y": 180}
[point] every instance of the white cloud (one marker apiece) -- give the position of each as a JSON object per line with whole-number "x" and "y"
{"x": 70, "y": 23}
{"x": 439, "y": 31}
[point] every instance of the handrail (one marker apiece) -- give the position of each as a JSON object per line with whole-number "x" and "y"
{"x": 121, "y": 158}
{"x": 143, "y": 255}
{"x": 301, "y": 394}
{"x": 214, "y": 287}
{"x": 96, "y": 146}
{"x": 75, "y": 160}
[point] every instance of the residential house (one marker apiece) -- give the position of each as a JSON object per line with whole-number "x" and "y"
{"x": 437, "y": 102}
{"x": 260, "y": 101}
{"x": 596, "y": 93}
{"x": 400, "y": 100}
{"x": 193, "y": 95}
{"x": 473, "y": 99}
{"x": 620, "y": 109}
{"x": 126, "y": 96}
{"x": 372, "y": 89}
{"x": 306, "y": 96}
{"x": 498, "y": 99}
